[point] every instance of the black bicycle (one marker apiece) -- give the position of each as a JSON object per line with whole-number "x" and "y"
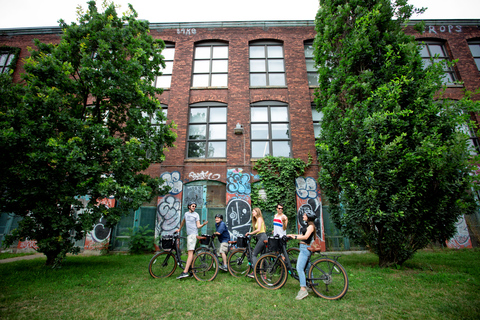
{"x": 240, "y": 259}
{"x": 326, "y": 276}
{"x": 164, "y": 263}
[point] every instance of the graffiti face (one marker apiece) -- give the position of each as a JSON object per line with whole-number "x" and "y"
{"x": 238, "y": 216}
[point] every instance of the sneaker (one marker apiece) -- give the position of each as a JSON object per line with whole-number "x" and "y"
{"x": 183, "y": 275}
{"x": 309, "y": 289}
{"x": 250, "y": 275}
{"x": 301, "y": 294}
{"x": 223, "y": 268}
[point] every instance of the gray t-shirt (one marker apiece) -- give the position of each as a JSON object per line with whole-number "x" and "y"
{"x": 191, "y": 219}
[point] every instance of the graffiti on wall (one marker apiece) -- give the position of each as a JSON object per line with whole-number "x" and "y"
{"x": 308, "y": 200}
{"x": 462, "y": 238}
{"x": 169, "y": 206}
{"x": 99, "y": 237}
{"x": 238, "y": 212}
{"x": 204, "y": 175}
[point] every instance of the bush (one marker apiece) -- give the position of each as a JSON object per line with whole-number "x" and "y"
{"x": 141, "y": 240}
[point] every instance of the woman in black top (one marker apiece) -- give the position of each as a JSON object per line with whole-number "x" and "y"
{"x": 307, "y": 237}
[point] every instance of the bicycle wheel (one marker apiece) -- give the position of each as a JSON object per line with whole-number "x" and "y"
{"x": 293, "y": 256}
{"x": 270, "y": 271}
{"x": 205, "y": 266}
{"x": 238, "y": 263}
{"x": 162, "y": 265}
{"x": 328, "y": 279}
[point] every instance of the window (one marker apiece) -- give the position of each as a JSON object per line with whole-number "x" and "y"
{"x": 270, "y": 129}
{"x": 436, "y": 52}
{"x": 210, "y": 65}
{"x": 317, "y": 117}
{"x": 5, "y": 59}
{"x": 165, "y": 80}
{"x": 475, "y": 50}
{"x": 311, "y": 68}
{"x": 267, "y": 67}
{"x": 153, "y": 118}
{"x": 207, "y": 130}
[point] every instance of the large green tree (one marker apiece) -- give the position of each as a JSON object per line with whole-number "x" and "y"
{"x": 395, "y": 168}
{"x": 85, "y": 122}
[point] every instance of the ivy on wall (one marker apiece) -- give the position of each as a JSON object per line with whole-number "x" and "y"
{"x": 277, "y": 178}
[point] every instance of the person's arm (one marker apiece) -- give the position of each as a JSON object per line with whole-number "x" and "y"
{"x": 181, "y": 225}
{"x": 201, "y": 225}
{"x": 259, "y": 227}
{"x": 302, "y": 236}
{"x": 284, "y": 222}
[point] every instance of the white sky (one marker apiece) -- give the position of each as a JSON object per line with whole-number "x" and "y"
{"x": 41, "y": 13}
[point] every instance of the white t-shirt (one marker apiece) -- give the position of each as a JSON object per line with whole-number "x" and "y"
{"x": 191, "y": 219}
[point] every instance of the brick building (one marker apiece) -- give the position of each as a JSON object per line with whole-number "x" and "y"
{"x": 237, "y": 92}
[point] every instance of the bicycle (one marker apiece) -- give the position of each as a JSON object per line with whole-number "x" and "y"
{"x": 164, "y": 263}
{"x": 240, "y": 259}
{"x": 326, "y": 276}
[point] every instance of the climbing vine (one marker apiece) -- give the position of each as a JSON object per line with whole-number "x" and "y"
{"x": 277, "y": 178}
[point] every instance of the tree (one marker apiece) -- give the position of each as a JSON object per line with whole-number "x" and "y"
{"x": 84, "y": 123}
{"x": 395, "y": 169}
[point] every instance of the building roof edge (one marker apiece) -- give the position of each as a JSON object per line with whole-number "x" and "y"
{"x": 231, "y": 24}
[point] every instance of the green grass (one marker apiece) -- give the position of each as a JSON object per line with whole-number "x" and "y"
{"x": 440, "y": 284}
{"x": 7, "y": 255}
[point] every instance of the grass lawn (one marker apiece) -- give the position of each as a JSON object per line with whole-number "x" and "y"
{"x": 438, "y": 284}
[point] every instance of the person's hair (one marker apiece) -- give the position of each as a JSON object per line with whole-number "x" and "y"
{"x": 310, "y": 222}
{"x": 259, "y": 214}
{"x": 280, "y": 204}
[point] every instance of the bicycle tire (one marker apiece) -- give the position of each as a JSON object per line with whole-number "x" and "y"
{"x": 162, "y": 265}
{"x": 237, "y": 263}
{"x": 205, "y": 266}
{"x": 328, "y": 279}
{"x": 270, "y": 271}
{"x": 293, "y": 256}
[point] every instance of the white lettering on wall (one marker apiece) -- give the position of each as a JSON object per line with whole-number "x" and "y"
{"x": 187, "y": 31}
{"x": 443, "y": 29}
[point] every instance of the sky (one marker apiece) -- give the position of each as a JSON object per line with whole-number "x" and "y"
{"x": 46, "y": 13}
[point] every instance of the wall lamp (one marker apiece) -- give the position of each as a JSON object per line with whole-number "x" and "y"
{"x": 238, "y": 129}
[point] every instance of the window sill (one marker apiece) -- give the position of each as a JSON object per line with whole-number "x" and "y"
{"x": 206, "y": 160}
{"x": 208, "y": 88}
{"x": 270, "y": 87}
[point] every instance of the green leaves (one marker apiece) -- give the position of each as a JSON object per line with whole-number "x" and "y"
{"x": 393, "y": 161}
{"x": 77, "y": 128}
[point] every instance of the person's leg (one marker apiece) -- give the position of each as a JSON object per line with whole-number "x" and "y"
{"x": 302, "y": 261}
{"x": 189, "y": 261}
{"x": 258, "y": 248}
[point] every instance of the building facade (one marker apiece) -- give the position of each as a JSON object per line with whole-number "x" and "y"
{"x": 239, "y": 91}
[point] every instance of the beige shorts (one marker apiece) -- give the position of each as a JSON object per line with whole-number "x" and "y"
{"x": 223, "y": 247}
{"x": 191, "y": 242}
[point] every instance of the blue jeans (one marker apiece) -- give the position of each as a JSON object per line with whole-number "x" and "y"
{"x": 303, "y": 259}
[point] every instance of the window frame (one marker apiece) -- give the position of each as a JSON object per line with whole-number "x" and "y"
{"x": 476, "y": 58}
{"x": 309, "y": 58}
{"x": 317, "y": 117}
{"x": 207, "y": 123}
{"x": 211, "y": 73}
{"x": 270, "y": 139}
{"x": 449, "y": 71}
{"x": 267, "y": 60}
{"x": 168, "y": 68}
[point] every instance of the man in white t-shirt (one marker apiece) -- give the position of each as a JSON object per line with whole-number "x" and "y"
{"x": 192, "y": 220}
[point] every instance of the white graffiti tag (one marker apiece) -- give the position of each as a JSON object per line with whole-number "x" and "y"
{"x": 204, "y": 175}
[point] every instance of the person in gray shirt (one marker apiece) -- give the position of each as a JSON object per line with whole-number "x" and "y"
{"x": 192, "y": 220}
